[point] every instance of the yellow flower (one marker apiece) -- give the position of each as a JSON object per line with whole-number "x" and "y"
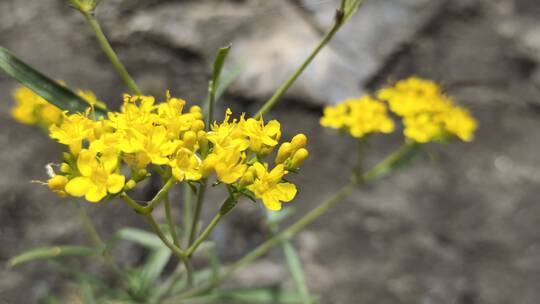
{"x": 268, "y": 186}
{"x": 360, "y": 117}
{"x": 72, "y": 131}
{"x": 334, "y": 117}
{"x": 186, "y": 166}
{"x": 262, "y": 136}
{"x": 91, "y": 99}
{"x": 428, "y": 114}
{"x": 293, "y": 154}
{"x": 154, "y": 147}
{"x": 229, "y": 134}
{"x": 57, "y": 184}
{"x": 96, "y": 176}
{"x": 136, "y": 114}
{"x": 459, "y": 122}
{"x": 31, "y": 108}
{"x": 228, "y": 163}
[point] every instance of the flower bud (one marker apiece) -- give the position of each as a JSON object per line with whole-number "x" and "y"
{"x": 299, "y": 141}
{"x": 195, "y": 109}
{"x": 190, "y": 138}
{"x": 131, "y": 184}
{"x": 248, "y": 178}
{"x": 284, "y": 152}
{"x": 208, "y": 165}
{"x": 57, "y": 184}
{"x": 299, "y": 157}
{"x": 197, "y": 125}
{"x": 65, "y": 168}
{"x": 203, "y": 140}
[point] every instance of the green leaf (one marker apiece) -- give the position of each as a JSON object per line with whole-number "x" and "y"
{"x": 219, "y": 61}
{"x": 270, "y": 295}
{"x": 86, "y": 292}
{"x": 43, "y": 86}
{"x": 215, "y": 264}
{"x": 141, "y": 237}
{"x": 52, "y": 252}
{"x": 350, "y": 7}
{"x": 152, "y": 269}
{"x": 296, "y": 271}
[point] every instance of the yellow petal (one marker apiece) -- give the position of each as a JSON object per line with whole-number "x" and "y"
{"x": 95, "y": 193}
{"x": 286, "y": 192}
{"x": 271, "y": 202}
{"x": 78, "y": 186}
{"x": 85, "y": 161}
{"x": 115, "y": 183}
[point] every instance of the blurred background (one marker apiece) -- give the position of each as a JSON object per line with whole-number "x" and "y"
{"x": 463, "y": 228}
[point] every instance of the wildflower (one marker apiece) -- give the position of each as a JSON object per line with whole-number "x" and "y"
{"x": 57, "y": 184}
{"x": 293, "y": 154}
{"x": 428, "y": 114}
{"x": 229, "y": 134}
{"x": 153, "y": 147}
{"x": 228, "y": 163}
{"x": 186, "y": 165}
{"x": 32, "y": 109}
{"x": 72, "y": 131}
{"x": 262, "y": 136}
{"x": 96, "y": 176}
{"x": 359, "y": 117}
{"x": 268, "y": 186}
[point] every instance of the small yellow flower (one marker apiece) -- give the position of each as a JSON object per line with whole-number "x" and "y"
{"x": 57, "y": 184}
{"x": 228, "y": 163}
{"x": 186, "y": 165}
{"x": 96, "y": 176}
{"x": 268, "y": 186}
{"x": 229, "y": 134}
{"x": 360, "y": 117}
{"x": 261, "y": 135}
{"x": 154, "y": 147}
{"x": 72, "y": 131}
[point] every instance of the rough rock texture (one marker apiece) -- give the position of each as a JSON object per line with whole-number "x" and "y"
{"x": 459, "y": 229}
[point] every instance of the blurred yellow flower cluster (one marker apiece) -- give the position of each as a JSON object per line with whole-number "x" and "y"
{"x": 32, "y": 109}
{"x": 359, "y": 117}
{"x": 427, "y": 113}
{"x": 146, "y": 136}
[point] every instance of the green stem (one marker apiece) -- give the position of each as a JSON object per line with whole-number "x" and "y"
{"x": 149, "y": 207}
{"x": 197, "y": 215}
{"x": 188, "y": 203}
{"x": 89, "y": 227}
{"x": 314, "y": 214}
{"x": 204, "y": 234}
{"x": 176, "y": 250}
{"x": 211, "y": 103}
{"x": 338, "y": 22}
{"x": 106, "y": 47}
{"x": 170, "y": 222}
{"x": 275, "y": 240}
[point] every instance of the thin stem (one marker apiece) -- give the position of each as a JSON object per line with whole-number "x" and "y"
{"x": 106, "y": 47}
{"x": 211, "y": 103}
{"x": 338, "y": 22}
{"x": 275, "y": 240}
{"x": 314, "y": 214}
{"x": 89, "y": 227}
{"x": 176, "y": 250}
{"x": 170, "y": 222}
{"x": 204, "y": 234}
{"x": 188, "y": 203}
{"x": 197, "y": 215}
{"x": 151, "y": 204}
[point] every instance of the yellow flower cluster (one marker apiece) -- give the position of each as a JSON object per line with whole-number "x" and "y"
{"x": 32, "y": 109}
{"x": 359, "y": 117}
{"x": 145, "y": 133}
{"x": 427, "y": 113}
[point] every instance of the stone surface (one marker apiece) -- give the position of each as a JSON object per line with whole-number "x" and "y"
{"x": 460, "y": 229}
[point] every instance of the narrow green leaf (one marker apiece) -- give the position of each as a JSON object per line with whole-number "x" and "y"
{"x": 152, "y": 269}
{"x": 351, "y": 7}
{"x": 43, "y": 86}
{"x": 52, "y": 252}
{"x": 214, "y": 82}
{"x": 215, "y": 264}
{"x": 296, "y": 271}
{"x": 141, "y": 237}
{"x": 86, "y": 292}
{"x": 270, "y": 295}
